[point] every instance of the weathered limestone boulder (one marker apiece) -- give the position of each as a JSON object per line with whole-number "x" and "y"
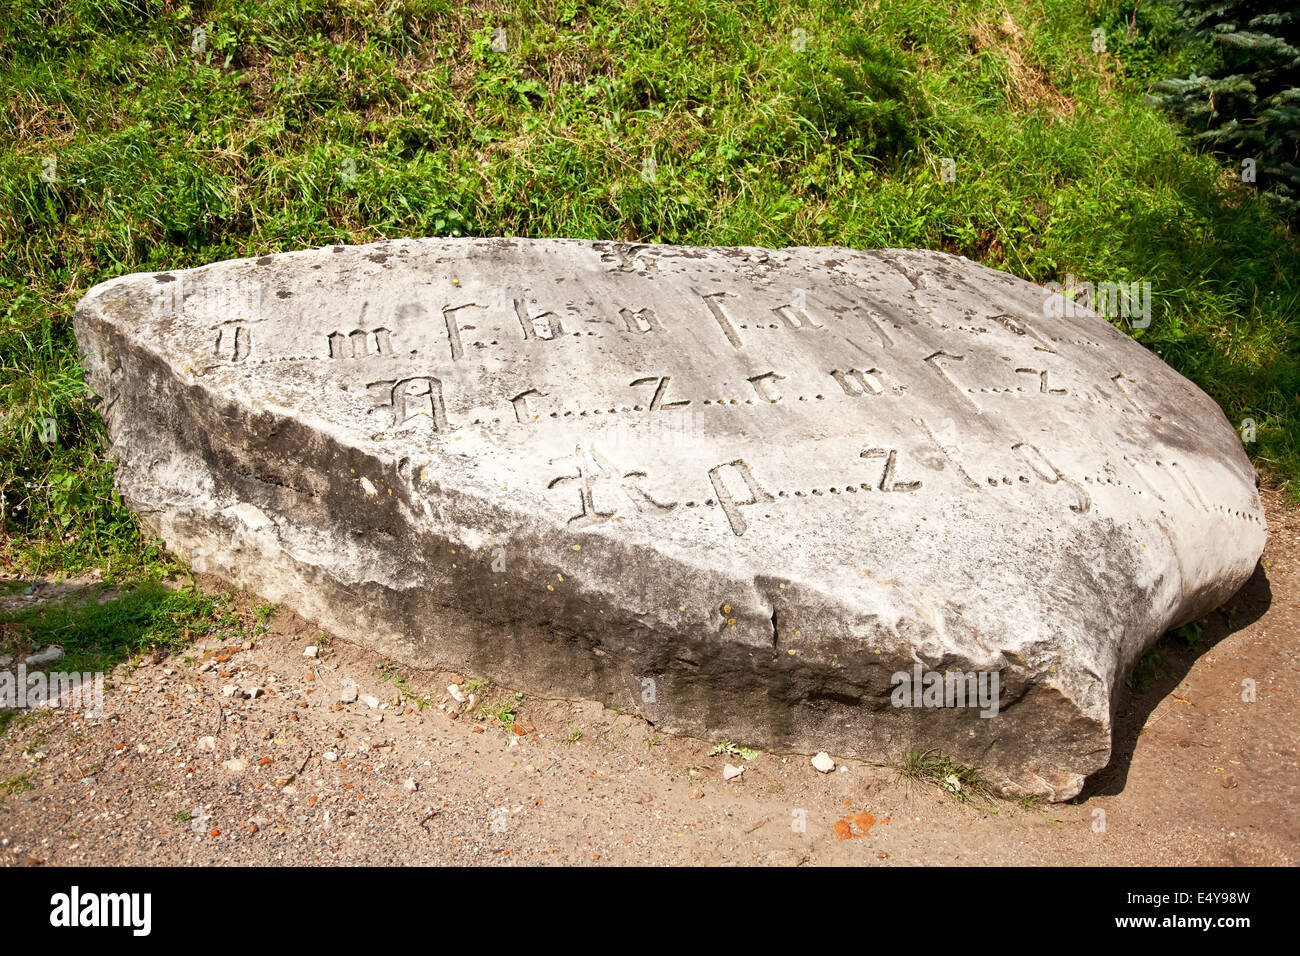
{"x": 797, "y": 499}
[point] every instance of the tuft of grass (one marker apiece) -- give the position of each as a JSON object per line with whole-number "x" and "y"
{"x": 19, "y": 784}
{"x": 1151, "y": 665}
{"x": 391, "y": 673}
{"x": 728, "y": 749}
{"x": 18, "y": 717}
{"x": 504, "y": 710}
{"x": 923, "y": 766}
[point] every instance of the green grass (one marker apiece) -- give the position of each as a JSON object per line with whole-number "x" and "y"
{"x": 19, "y": 784}
{"x": 504, "y": 710}
{"x": 97, "y": 636}
{"x": 922, "y": 766}
{"x": 306, "y": 122}
{"x": 1151, "y": 665}
{"x": 726, "y": 748}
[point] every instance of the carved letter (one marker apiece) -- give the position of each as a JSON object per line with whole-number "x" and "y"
{"x": 934, "y": 361}
{"x": 763, "y": 386}
{"x": 453, "y": 327}
{"x": 657, "y": 401}
{"x": 857, "y": 383}
{"x": 552, "y": 323}
{"x": 796, "y": 319}
{"x": 1045, "y": 470}
{"x": 520, "y": 402}
{"x": 947, "y": 453}
{"x": 408, "y": 398}
{"x": 234, "y": 342}
{"x": 730, "y": 506}
{"x": 724, "y": 323}
{"x": 887, "y": 482}
{"x": 1043, "y": 387}
{"x": 642, "y": 320}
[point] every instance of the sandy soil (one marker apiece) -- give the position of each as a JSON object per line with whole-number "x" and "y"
{"x": 177, "y": 773}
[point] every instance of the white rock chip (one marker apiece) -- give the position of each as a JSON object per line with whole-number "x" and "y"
{"x": 823, "y": 762}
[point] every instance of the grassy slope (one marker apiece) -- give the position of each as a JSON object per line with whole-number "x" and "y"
{"x": 167, "y": 157}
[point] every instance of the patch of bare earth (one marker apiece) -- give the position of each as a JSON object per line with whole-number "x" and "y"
{"x": 177, "y": 772}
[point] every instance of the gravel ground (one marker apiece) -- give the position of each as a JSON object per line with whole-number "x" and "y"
{"x": 259, "y": 754}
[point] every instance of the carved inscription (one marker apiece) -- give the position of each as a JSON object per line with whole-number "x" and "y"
{"x": 359, "y": 343}
{"x": 730, "y": 506}
{"x": 1051, "y": 474}
{"x": 544, "y": 325}
{"x": 641, "y": 320}
{"x": 714, "y": 301}
{"x": 409, "y": 398}
{"x": 660, "y": 384}
{"x": 887, "y": 480}
{"x": 864, "y": 394}
{"x": 765, "y": 386}
{"x": 592, "y": 470}
{"x": 933, "y": 361}
{"x": 858, "y": 382}
{"x": 234, "y": 342}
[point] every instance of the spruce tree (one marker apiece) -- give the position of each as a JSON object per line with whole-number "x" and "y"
{"x": 1246, "y": 105}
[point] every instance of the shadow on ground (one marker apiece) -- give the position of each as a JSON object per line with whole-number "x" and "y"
{"x": 1168, "y": 662}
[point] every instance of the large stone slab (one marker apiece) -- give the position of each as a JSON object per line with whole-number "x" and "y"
{"x": 735, "y": 490}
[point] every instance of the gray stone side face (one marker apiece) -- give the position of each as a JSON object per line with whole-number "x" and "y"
{"x": 737, "y": 491}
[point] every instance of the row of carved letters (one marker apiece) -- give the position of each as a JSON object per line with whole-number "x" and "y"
{"x": 589, "y": 467}
{"x": 408, "y": 398}
{"x": 234, "y": 340}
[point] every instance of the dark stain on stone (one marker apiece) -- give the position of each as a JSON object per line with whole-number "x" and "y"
{"x": 164, "y": 277}
{"x": 380, "y": 257}
{"x": 265, "y": 260}
{"x": 283, "y": 293}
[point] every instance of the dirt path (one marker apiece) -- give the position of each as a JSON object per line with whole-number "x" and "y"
{"x": 177, "y": 773}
